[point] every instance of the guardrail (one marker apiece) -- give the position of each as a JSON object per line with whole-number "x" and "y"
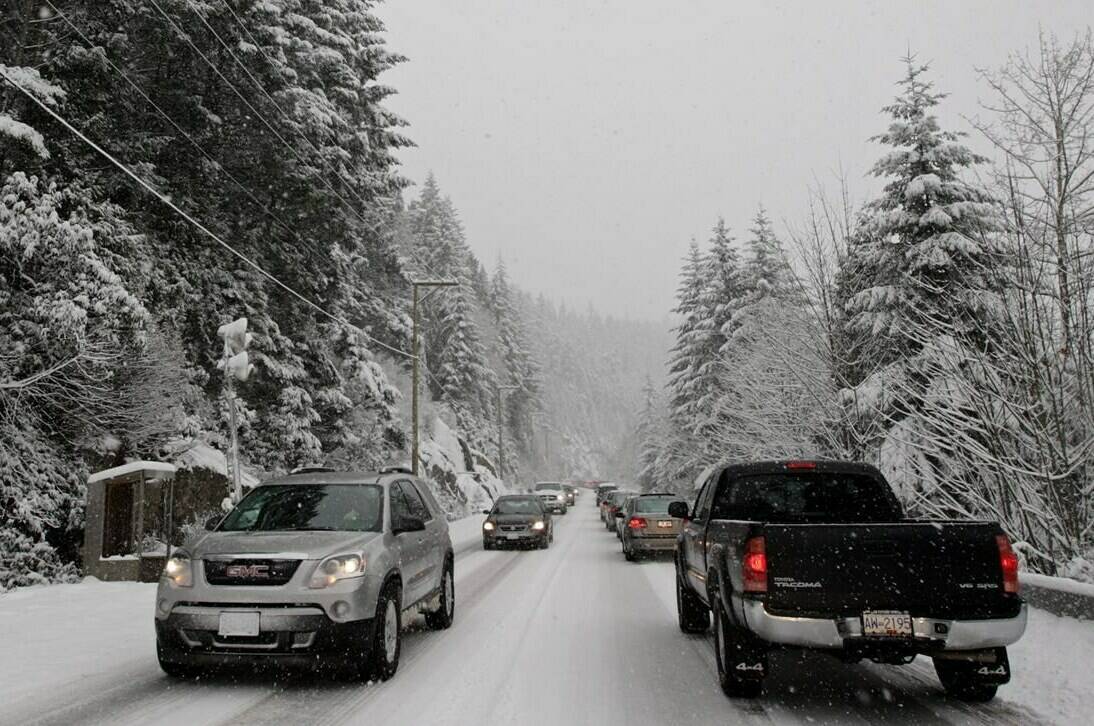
{"x": 1058, "y": 595}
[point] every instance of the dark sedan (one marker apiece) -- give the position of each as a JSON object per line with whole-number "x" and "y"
{"x": 518, "y": 519}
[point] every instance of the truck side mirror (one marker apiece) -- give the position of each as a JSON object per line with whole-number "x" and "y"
{"x": 212, "y": 522}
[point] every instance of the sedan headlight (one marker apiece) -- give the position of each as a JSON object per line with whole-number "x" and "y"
{"x": 334, "y": 569}
{"x": 488, "y": 526}
{"x": 538, "y": 525}
{"x": 179, "y": 570}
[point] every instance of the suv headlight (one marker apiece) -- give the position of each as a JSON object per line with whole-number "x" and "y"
{"x": 538, "y": 525}
{"x": 338, "y": 567}
{"x": 179, "y": 570}
{"x": 488, "y": 526}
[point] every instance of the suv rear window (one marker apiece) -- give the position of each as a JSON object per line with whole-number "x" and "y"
{"x": 807, "y": 496}
{"x": 649, "y": 505}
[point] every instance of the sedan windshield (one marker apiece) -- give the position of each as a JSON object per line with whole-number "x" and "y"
{"x": 517, "y": 506}
{"x": 308, "y": 507}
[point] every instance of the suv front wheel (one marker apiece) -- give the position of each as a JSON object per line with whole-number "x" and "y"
{"x": 442, "y": 617}
{"x": 387, "y": 640}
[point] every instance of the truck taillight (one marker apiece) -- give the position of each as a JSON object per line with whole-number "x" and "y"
{"x": 754, "y": 565}
{"x": 637, "y": 523}
{"x": 1008, "y": 562}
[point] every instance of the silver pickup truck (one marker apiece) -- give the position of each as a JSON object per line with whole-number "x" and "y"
{"x": 312, "y": 570}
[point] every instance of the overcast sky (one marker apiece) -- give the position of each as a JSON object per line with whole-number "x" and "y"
{"x": 587, "y": 142}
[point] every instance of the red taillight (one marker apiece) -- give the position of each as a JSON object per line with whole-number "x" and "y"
{"x": 637, "y": 523}
{"x": 1008, "y": 562}
{"x": 754, "y": 565}
{"x": 801, "y": 465}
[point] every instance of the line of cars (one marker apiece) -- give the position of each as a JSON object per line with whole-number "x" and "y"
{"x": 523, "y": 520}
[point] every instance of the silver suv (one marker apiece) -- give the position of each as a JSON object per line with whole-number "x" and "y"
{"x": 314, "y": 570}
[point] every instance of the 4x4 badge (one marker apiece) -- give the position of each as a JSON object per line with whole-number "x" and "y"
{"x": 753, "y": 667}
{"x": 999, "y": 670}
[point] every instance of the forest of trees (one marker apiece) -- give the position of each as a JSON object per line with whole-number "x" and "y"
{"x": 943, "y": 330}
{"x": 264, "y": 124}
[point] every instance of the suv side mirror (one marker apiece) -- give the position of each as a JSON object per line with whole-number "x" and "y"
{"x": 678, "y": 510}
{"x": 486, "y": 512}
{"x": 212, "y": 522}
{"x": 408, "y": 524}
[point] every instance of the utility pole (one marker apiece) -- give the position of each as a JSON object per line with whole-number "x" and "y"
{"x": 237, "y": 367}
{"x": 415, "y": 351}
{"x": 501, "y": 430}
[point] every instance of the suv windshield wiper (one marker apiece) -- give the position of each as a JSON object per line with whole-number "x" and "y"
{"x": 301, "y": 529}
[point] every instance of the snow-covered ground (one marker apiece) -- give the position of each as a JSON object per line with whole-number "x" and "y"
{"x": 571, "y": 635}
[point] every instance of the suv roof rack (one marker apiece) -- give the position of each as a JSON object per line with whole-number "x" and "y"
{"x": 310, "y": 469}
{"x": 396, "y": 469}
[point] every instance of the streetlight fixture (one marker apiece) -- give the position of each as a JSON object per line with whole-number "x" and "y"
{"x": 416, "y": 284}
{"x": 501, "y": 429}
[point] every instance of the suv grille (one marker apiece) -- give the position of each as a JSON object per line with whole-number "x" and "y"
{"x": 249, "y": 572}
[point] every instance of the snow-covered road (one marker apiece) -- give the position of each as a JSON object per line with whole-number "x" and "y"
{"x": 571, "y": 635}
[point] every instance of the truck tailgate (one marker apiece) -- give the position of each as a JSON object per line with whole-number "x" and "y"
{"x": 947, "y": 570}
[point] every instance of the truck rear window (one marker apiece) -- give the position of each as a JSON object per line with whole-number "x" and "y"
{"x": 807, "y": 497}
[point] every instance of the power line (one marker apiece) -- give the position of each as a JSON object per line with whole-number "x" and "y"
{"x": 265, "y": 208}
{"x": 182, "y": 33}
{"x": 212, "y": 235}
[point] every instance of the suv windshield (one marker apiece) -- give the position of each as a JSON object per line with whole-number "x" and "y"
{"x": 543, "y": 486}
{"x": 517, "y": 506}
{"x": 815, "y": 496}
{"x": 308, "y": 507}
{"x": 647, "y": 505}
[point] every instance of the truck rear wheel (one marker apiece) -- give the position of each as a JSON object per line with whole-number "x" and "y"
{"x": 725, "y": 648}
{"x": 693, "y": 615}
{"x": 973, "y": 680}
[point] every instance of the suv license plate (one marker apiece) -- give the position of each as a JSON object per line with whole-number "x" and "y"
{"x": 887, "y": 624}
{"x": 238, "y": 624}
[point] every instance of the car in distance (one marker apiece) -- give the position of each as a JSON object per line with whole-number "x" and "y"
{"x": 571, "y": 494}
{"x": 517, "y": 519}
{"x": 309, "y": 569}
{"x": 611, "y": 505}
{"x": 617, "y": 516}
{"x": 647, "y": 527}
{"x": 819, "y": 555}
{"x": 602, "y": 490}
{"x": 552, "y": 496}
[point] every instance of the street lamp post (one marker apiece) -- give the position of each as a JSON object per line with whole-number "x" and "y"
{"x": 415, "y": 349}
{"x": 501, "y": 429}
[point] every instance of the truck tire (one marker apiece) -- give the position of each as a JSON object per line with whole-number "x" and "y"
{"x": 961, "y": 680}
{"x": 724, "y": 644}
{"x": 443, "y": 616}
{"x": 693, "y": 615}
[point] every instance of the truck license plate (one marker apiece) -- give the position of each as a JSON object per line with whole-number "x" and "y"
{"x": 884, "y": 623}
{"x": 238, "y": 624}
